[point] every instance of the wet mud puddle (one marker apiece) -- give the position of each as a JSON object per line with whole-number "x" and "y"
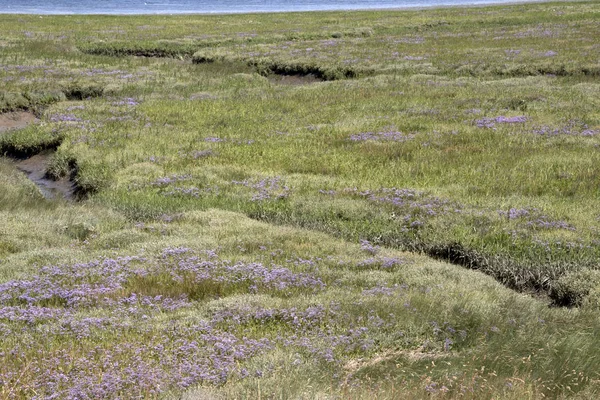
{"x": 35, "y": 167}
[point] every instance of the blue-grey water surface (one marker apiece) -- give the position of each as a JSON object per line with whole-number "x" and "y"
{"x": 212, "y": 6}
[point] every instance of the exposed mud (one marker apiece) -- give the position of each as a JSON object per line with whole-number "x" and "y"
{"x": 35, "y": 168}
{"x": 16, "y": 120}
{"x": 36, "y": 165}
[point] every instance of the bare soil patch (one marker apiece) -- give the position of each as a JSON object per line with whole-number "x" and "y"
{"x": 16, "y": 120}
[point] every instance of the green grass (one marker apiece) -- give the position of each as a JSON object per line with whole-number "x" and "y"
{"x": 450, "y": 138}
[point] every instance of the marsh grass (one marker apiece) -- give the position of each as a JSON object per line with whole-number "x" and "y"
{"x": 242, "y": 238}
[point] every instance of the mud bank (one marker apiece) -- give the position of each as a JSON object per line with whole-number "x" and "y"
{"x": 35, "y": 168}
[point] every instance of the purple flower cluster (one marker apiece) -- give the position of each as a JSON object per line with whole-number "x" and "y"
{"x": 253, "y": 277}
{"x": 126, "y": 102}
{"x": 544, "y": 222}
{"x": 266, "y": 189}
{"x": 312, "y": 317}
{"x": 70, "y": 285}
{"x": 94, "y": 300}
{"x": 447, "y": 334}
{"x": 64, "y": 118}
{"x": 491, "y": 122}
{"x": 309, "y": 333}
{"x": 183, "y": 191}
{"x": 570, "y": 128}
{"x": 533, "y": 218}
{"x": 414, "y": 202}
{"x": 409, "y": 207}
{"x": 167, "y": 180}
{"x": 515, "y": 213}
{"x": 325, "y": 347}
{"x": 392, "y": 136}
{"x": 30, "y": 314}
{"x": 96, "y": 282}
{"x": 176, "y": 357}
{"x": 367, "y": 246}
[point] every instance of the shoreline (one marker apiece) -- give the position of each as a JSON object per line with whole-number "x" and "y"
{"x": 217, "y": 13}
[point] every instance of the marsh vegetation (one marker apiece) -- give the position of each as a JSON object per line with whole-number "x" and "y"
{"x": 306, "y": 205}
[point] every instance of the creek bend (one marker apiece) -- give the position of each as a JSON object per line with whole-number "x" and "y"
{"x": 35, "y": 167}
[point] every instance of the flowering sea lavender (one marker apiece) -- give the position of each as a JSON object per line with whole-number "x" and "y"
{"x": 126, "y": 102}
{"x": 183, "y": 191}
{"x": 413, "y": 202}
{"x": 70, "y": 285}
{"x": 266, "y": 188}
{"x": 167, "y": 180}
{"x": 64, "y": 118}
{"x": 52, "y": 301}
{"x": 514, "y": 213}
{"x": 533, "y": 218}
{"x": 367, "y": 246}
{"x": 570, "y": 128}
{"x": 176, "y": 357}
{"x": 543, "y": 222}
{"x": 272, "y": 278}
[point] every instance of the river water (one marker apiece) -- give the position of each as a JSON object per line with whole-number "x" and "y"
{"x": 214, "y": 6}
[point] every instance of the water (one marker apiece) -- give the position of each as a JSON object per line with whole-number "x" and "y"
{"x": 35, "y": 168}
{"x": 212, "y": 6}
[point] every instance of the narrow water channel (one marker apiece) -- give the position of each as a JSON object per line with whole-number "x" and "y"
{"x": 36, "y": 166}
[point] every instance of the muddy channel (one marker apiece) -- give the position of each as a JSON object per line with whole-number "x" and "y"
{"x": 36, "y": 166}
